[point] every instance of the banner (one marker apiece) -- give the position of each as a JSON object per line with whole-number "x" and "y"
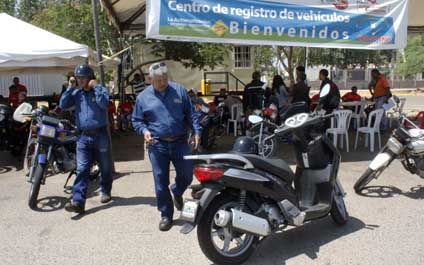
{"x": 355, "y": 24}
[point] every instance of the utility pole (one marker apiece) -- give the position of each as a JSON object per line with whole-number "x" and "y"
{"x": 98, "y": 43}
{"x": 101, "y": 68}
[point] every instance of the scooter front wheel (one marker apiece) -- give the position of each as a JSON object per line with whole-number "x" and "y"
{"x": 224, "y": 245}
{"x": 338, "y": 211}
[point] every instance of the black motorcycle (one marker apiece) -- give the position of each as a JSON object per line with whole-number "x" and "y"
{"x": 5, "y": 124}
{"x": 244, "y": 197}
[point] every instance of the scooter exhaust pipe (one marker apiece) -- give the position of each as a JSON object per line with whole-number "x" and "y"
{"x": 242, "y": 221}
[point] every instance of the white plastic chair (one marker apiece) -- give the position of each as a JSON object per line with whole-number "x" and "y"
{"x": 359, "y": 113}
{"x": 342, "y": 121}
{"x": 236, "y": 117}
{"x": 371, "y": 131}
{"x": 398, "y": 110}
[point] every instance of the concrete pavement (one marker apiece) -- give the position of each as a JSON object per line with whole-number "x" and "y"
{"x": 385, "y": 226}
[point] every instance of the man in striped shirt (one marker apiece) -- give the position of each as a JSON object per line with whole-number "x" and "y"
{"x": 138, "y": 84}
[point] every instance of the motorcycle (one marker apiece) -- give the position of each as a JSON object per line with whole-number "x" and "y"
{"x": 54, "y": 149}
{"x": 34, "y": 120}
{"x": 262, "y": 126}
{"x": 243, "y": 197}
{"x": 212, "y": 122}
{"x": 407, "y": 144}
{"x": 5, "y": 123}
{"x": 265, "y": 125}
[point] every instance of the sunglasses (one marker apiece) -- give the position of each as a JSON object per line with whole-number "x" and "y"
{"x": 159, "y": 65}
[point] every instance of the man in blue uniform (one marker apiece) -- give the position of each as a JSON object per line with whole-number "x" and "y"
{"x": 163, "y": 114}
{"x": 91, "y": 101}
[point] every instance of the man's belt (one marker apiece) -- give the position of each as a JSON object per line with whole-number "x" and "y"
{"x": 93, "y": 132}
{"x": 173, "y": 139}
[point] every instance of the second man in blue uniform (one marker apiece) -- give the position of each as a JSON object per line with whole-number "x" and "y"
{"x": 163, "y": 114}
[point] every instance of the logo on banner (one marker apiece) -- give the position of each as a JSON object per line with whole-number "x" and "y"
{"x": 220, "y": 28}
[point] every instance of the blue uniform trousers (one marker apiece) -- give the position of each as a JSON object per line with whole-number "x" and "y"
{"x": 89, "y": 148}
{"x": 161, "y": 154}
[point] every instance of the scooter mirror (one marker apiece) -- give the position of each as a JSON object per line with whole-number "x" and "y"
{"x": 254, "y": 119}
{"x": 324, "y": 91}
{"x": 18, "y": 115}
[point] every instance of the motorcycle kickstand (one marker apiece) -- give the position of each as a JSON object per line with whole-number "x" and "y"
{"x": 67, "y": 189}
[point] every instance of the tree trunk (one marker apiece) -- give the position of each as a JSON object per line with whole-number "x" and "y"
{"x": 289, "y": 55}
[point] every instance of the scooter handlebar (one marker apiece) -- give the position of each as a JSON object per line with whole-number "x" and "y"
{"x": 285, "y": 129}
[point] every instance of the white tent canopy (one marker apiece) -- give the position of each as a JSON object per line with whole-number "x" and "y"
{"x": 25, "y": 45}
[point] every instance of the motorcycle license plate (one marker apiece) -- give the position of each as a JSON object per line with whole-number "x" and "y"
{"x": 189, "y": 211}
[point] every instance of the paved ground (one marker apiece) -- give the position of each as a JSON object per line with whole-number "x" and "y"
{"x": 385, "y": 227}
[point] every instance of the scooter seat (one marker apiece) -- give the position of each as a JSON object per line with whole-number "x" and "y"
{"x": 277, "y": 167}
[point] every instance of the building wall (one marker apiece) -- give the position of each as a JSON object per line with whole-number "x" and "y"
{"x": 193, "y": 77}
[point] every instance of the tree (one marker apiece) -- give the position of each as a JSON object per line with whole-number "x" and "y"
{"x": 29, "y": 8}
{"x": 190, "y": 54}
{"x": 265, "y": 60}
{"x": 74, "y": 20}
{"x": 8, "y": 6}
{"x": 412, "y": 61}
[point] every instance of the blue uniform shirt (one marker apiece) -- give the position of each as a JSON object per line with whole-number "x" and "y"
{"x": 164, "y": 115}
{"x": 90, "y": 107}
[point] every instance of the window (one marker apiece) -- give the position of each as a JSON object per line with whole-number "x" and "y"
{"x": 242, "y": 57}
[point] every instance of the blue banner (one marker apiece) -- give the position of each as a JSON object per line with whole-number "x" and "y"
{"x": 368, "y": 24}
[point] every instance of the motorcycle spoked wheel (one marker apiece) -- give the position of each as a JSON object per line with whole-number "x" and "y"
{"x": 224, "y": 245}
{"x": 366, "y": 178}
{"x": 338, "y": 210}
{"x": 268, "y": 147}
{"x": 29, "y": 156}
{"x": 35, "y": 185}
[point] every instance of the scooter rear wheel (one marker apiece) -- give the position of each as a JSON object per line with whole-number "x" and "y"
{"x": 209, "y": 235}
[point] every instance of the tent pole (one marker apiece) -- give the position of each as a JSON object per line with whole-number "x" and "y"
{"x": 101, "y": 69}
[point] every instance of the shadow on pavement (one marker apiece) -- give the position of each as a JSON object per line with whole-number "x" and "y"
{"x": 416, "y": 193}
{"x": 51, "y": 204}
{"x": 5, "y": 169}
{"x": 119, "y": 201}
{"x": 9, "y": 162}
{"x": 307, "y": 239}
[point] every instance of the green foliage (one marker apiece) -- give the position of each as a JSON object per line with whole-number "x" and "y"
{"x": 264, "y": 60}
{"x": 413, "y": 58}
{"x": 191, "y": 54}
{"x": 8, "y": 7}
{"x": 74, "y": 20}
{"x": 342, "y": 58}
{"x": 28, "y": 8}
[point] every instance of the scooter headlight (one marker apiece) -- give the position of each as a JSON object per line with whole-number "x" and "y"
{"x": 395, "y": 146}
